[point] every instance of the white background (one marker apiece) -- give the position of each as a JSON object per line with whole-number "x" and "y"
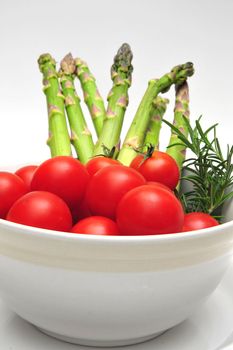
{"x": 161, "y": 33}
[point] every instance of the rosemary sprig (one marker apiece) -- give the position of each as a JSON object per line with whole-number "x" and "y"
{"x": 208, "y": 171}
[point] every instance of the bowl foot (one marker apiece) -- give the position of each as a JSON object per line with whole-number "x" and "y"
{"x": 100, "y": 343}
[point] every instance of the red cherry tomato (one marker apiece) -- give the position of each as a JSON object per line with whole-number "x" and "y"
{"x": 64, "y": 176}
{"x": 198, "y": 221}
{"x": 160, "y": 167}
{"x": 41, "y": 209}
{"x": 137, "y": 161}
{"x": 96, "y": 225}
{"x": 108, "y": 186}
{"x": 97, "y": 163}
{"x": 11, "y": 188}
{"x": 80, "y": 211}
{"x": 153, "y": 183}
{"x": 149, "y": 210}
{"x": 26, "y": 173}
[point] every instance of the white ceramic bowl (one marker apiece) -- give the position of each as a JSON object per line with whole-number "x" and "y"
{"x": 108, "y": 291}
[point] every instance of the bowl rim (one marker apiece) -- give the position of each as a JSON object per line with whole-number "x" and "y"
{"x": 169, "y": 237}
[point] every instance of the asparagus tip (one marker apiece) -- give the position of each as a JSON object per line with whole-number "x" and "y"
{"x": 182, "y": 72}
{"x": 179, "y": 74}
{"x": 44, "y": 59}
{"x": 68, "y": 64}
{"x": 182, "y": 90}
{"x": 122, "y": 61}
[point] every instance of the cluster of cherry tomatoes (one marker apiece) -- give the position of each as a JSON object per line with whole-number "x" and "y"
{"x": 102, "y": 197}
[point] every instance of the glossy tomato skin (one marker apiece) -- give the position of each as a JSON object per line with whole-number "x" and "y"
{"x": 96, "y": 225}
{"x": 80, "y": 211}
{"x": 97, "y": 163}
{"x": 64, "y": 176}
{"x": 197, "y": 221}
{"x": 153, "y": 183}
{"x": 137, "y": 161}
{"x": 41, "y": 209}
{"x": 160, "y": 167}
{"x": 12, "y": 187}
{"x": 108, "y": 186}
{"x": 26, "y": 174}
{"x": 149, "y": 210}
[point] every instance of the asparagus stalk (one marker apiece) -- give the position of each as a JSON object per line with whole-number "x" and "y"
{"x": 158, "y": 109}
{"x": 176, "y": 147}
{"x": 59, "y": 139}
{"x": 92, "y": 96}
{"x": 121, "y": 73}
{"x": 80, "y": 135}
{"x": 137, "y": 130}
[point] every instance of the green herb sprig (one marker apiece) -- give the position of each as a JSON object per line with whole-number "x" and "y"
{"x": 208, "y": 171}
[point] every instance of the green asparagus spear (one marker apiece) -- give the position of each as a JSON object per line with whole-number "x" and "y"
{"x": 137, "y": 130}
{"x": 181, "y": 111}
{"x": 121, "y": 73}
{"x": 59, "y": 140}
{"x": 80, "y": 135}
{"x": 92, "y": 96}
{"x": 158, "y": 109}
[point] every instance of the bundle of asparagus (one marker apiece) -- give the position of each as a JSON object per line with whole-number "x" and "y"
{"x": 61, "y": 95}
{"x": 208, "y": 192}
